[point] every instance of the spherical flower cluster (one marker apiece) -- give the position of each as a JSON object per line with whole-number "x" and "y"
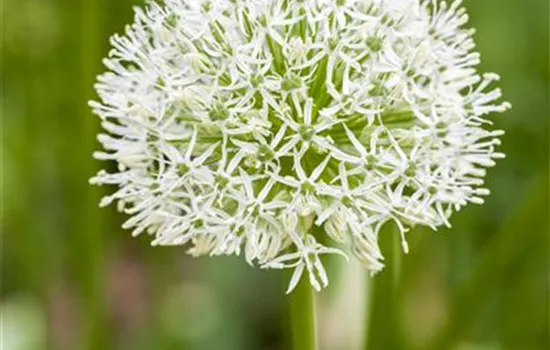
{"x": 289, "y": 129}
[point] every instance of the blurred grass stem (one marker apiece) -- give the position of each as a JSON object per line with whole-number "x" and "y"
{"x": 89, "y": 244}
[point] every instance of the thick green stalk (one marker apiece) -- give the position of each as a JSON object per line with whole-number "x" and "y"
{"x": 369, "y": 296}
{"x": 383, "y": 301}
{"x": 302, "y": 316}
{"x": 397, "y": 257}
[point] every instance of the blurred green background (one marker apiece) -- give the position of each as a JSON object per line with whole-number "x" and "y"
{"x": 72, "y": 279}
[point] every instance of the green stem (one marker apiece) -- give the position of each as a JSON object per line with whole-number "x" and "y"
{"x": 369, "y": 296}
{"x": 397, "y": 252}
{"x": 383, "y": 301}
{"x": 302, "y": 313}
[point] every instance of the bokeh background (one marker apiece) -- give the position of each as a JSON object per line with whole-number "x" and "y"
{"x": 72, "y": 279}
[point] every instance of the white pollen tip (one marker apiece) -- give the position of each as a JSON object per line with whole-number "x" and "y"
{"x": 491, "y": 76}
{"x": 497, "y": 133}
{"x": 477, "y": 200}
{"x": 405, "y": 247}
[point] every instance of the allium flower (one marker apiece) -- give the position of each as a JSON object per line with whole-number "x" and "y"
{"x": 289, "y": 129}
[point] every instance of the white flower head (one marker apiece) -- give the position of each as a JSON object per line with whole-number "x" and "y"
{"x": 292, "y": 129}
